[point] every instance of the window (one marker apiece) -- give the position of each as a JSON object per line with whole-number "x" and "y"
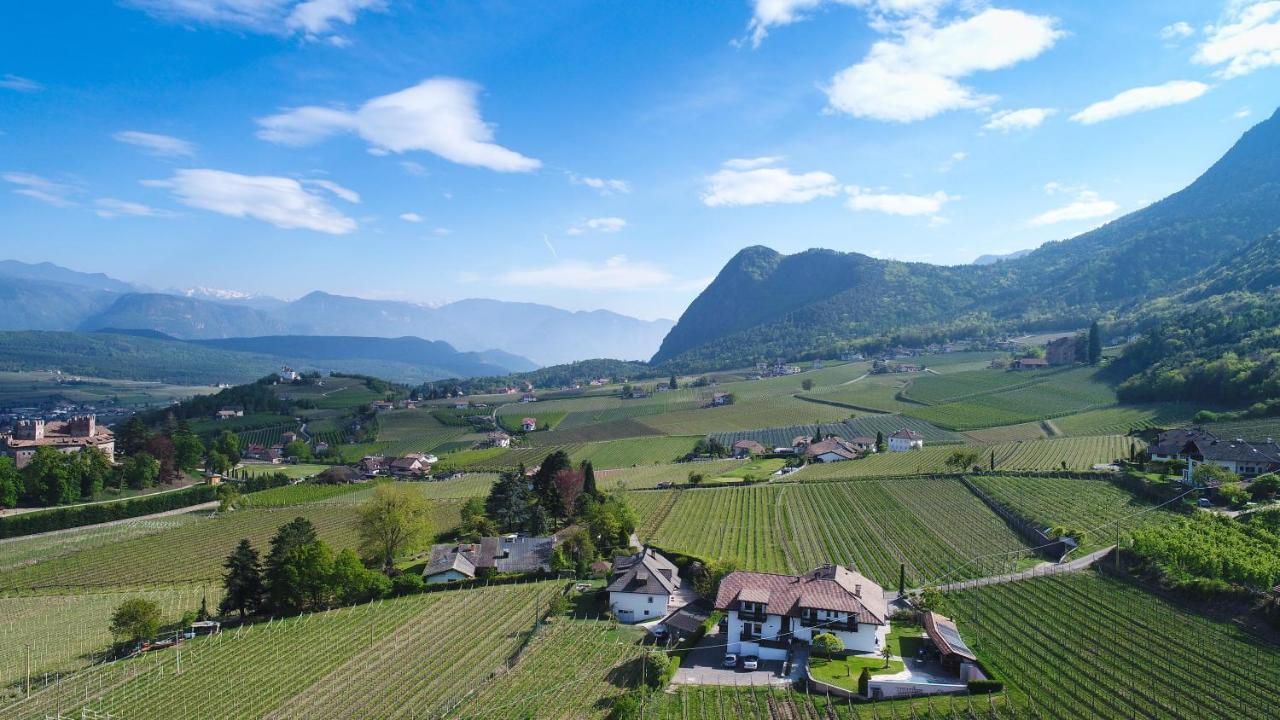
{"x": 650, "y": 599}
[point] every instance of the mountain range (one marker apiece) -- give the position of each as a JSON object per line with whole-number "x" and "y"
{"x": 1188, "y": 246}
{"x": 48, "y": 297}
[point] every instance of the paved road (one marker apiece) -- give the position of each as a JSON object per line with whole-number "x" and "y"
{"x": 1037, "y": 571}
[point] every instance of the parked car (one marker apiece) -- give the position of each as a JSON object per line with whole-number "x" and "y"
{"x": 750, "y": 662}
{"x": 730, "y": 660}
{"x": 659, "y": 631}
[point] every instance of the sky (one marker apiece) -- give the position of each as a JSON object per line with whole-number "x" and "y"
{"x": 596, "y": 154}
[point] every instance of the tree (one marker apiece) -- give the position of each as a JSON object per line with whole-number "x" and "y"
{"x": 141, "y": 471}
{"x": 390, "y": 522}
{"x": 827, "y": 645}
{"x": 1233, "y": 494}
{"x": 49, "y": 480}
{"x": 864, "y": 682}
{"x": 902, "y": 579}
{"x": 90, "y": 469}
{"x": 575, "y": 553}
{"x": 229, "y": 497}
{"x": 589, "y": 479}
{"x": 1095, "y": 343}
{"x": 132, "y": 436}
{"x": 1210, "y": 475}
{"x": 228, "y": 443}
{"x": 1263, "y": 488}
{"x": 672, "y": 382}
{"x": 10, "y": 482}
{"x": 695, "y": 478}
{"x": 886, "y": 653}
{"x": 544, "y": 485}
{"x": 217, "y": 462}
{"x": 242, "y": 585}
{"x": 161, "y": 448}
{"x": 961, "y": 460}
{"x": 354, "y": 583}
{"x": 135, "y": 620}
{"x": 879, "y": 441}
{"x": 293, "y": 534}
{"x": 187, "y": 450}
{"x": 610, "y": 521}
{"x": 807, "y": 384}
{"x": 474, "y": 524}
{"x": 569, "y": 484}
{"x": 298, "y": 449}
{"x": 509, "y": 503}
{"x": 305, "y": 581}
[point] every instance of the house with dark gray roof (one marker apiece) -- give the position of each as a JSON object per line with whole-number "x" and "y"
{"x": 491, "y": 556}
{"x": 642, "y": 586}
{"x": 766, "y": 613}
{"x": 1171, "y": 445}
{"x": 1246, "y": 458}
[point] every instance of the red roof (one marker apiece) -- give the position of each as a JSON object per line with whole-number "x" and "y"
{"x": 829, "y": 587}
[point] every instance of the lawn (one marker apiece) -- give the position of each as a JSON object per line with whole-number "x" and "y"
{"x": 746, "y": 414}
{"x": 636, "y": 451}
{"x": 844, "y": 671}
{"x": 759, "y": 469}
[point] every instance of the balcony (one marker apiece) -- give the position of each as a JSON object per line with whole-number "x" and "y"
{"x": 752, "y": 616}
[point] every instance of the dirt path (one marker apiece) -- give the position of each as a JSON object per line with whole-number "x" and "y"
{"x": 1035, "y": 572}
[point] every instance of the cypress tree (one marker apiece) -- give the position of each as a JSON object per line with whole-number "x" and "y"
{"x": 589, "y": 480}
{"x": 1095, "y": 343}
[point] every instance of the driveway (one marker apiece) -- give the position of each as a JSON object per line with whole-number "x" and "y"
{"x": 703, "y": 666}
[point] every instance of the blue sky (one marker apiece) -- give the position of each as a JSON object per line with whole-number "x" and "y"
{"x": 596, "y": 154}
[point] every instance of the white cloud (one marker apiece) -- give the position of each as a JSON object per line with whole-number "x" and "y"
{"x": 310, "y": 18}
{"x": 616, "y": 273}
{"x": 111, "y": 207}
{"x": 955, "y": 159}
{"x": 600, "y": 224}
{"x": 155, "y": 144}
{"x": 867, "y": 199}
{"x": 766, "y": 14}
{"x": 41, "y": 188}
{"x": 347, "y": 194}
{"x": 281, "y": 201}
{"x": 916, "y": 75}
{"x": 1141, "y": 99}
{"x": 1242, "y": 113}
{"x": 19, "y": 83}
{"x": 1177, "y": 31}
{"x": 1025, "y": 119}
{"x": 439, "y": 115}
{"x": 765, "y": 185}
{"x": 752, "y": 163}
{"x": 1248, "y": 39}
{"x": 1085, "y": 205}
{"x": 604, "y": 186}
{"x": 411, "y": 217}
{"x": 442, "y": 231}
{"x": 412, "y": 167}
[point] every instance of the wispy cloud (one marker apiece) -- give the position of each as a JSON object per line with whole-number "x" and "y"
{"x": 37, "y": 187}
{"x": 1085, "y": 205}
{"x": 439, "y": 115}
{"x": 600, "y": 224}
{"x": 917, "y": 74}
{"x": 1006, "y": 121}
{"x": 604, "y": 186}
{"x": 19, "y": 83}
{"x": 1245, "y": 40}
{"x": 111, "y": 208}
{"x": 411, "y": 217}
{"x": 1176, "y": 31}
{"x": 615, "y": 273}
{"x": 1141, "y": 99}
{"x": 748, "y": 182}
{"x": 280, "y": 201}
{"x": 156, "y": 144}
{"x": 768, "y": 14}
{"x": 312, "y": 19}
{"x": 866, "y": 199}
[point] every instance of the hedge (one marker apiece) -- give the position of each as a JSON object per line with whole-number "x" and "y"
{"x": 985, "y": 687}
{"x": 78, "y": 515}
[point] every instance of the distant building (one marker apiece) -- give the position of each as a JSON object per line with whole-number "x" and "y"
{"x": 288, "y": 374}
{"x": 1030, "y": 363}
{"x": 1246, "y": 458}
{"x": 228, "y": 412}
{"x": 382, "y": 405}
{"x": 288, "y": 436}
{"x": 746, "y": 448}
{"x": 1061, "y": 351}
{"x": 905, "y": 441}
{"x": 529, "y": 424}
{"x": 838, "y": 449}
{"x": 498, "y": 438}
{"x": 68, "y": 436}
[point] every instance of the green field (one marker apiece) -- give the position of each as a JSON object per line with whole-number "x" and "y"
{"x": 932, "y": 526}
{"x": 572, "y": 670}
{"x": 19, "y": 551}
{"x": 863, "y": 425}
{"x": 994, "y": 399}
{"x": 1123, "y": 419}
{"x": 297, "y": 495}
{"x": 407, "y": 431}
{"x": 875, "y": 392}
{"x": 1082, "y": 645}
{"x": 635, "y": 451}
{"x": 410, "y": 657}
{"x": 648, "y": 476}
{"x": 1108, "y": 511}
{"x": 39, "y": 388}
{"x": 746, "y": 702}
{"x": 746, "y": 415}
{"x": 298, "y": 471}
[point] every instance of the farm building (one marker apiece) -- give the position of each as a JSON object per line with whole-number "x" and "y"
{"x": 833, "y": 450}
{"x": 529, "y": 424}
{"x": 1171, "y": 445}
{"x": 905, "y": 441}
{"x": 228, "y": 412}
{"x": 498, "y": 438}
{"x": 1030, "y": 363}
{"x": 1245, "y": 458}
{"x": 747, "y": 448}
{"x": 642, "y": 586}
{"x": 492, "y": 555}
{"x": 288, "y": 374}
{"x": 1061, "y": 351}
{"x": 766, "y": 612}
{"x": 946, "y": 640}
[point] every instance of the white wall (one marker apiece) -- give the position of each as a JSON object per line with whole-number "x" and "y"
{"x": 449, "y": 575}
{"x": 637, "y": 607}
{"x": 868, "y": 639}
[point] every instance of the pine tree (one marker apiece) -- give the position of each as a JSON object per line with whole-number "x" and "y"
{"x": 589, "y": 488}
{"x": 243, "y": 592}
{"x": 672, "y": 382}
{"x": 1095, "y": 343}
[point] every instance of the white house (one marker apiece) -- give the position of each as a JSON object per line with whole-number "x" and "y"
{"x": 288, "y": 374}
{"x": 450, "y": 567}
{"x": 642, "y": 586}
{"x": 766, "y": 612}
{"x": 529, "y": 424}
{"x": 498, "y": 438}
{"x": 905, "y": 441}
{"x": 1245, "y": 458}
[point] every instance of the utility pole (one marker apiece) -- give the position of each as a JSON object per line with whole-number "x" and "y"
{"x": 28, "y": 645}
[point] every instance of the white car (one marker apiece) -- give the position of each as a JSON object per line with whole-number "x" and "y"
{"x": 750, "y": 662}
{"x": 730, "y": 660}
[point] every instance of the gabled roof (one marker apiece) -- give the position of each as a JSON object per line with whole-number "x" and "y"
{"x": 829, "y": 587}
{"x": 749, "y": 445}
{"x": 906, "y": 434}
{"x": 646, "y": 573}
{"x": 837, "y": 446}
{"x": 445, "y": 561}
{"x": 1174, "y": 442}
{"x": 1234, "y": 451}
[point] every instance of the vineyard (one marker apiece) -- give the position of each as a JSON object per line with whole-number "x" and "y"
{"x": 648, "y": 476}
{"x": 746, "y": 414}
{"x": 297, "y": 495}
{"x": 742, "y": 702}
{"x": 298, "y": 471}
{"x": 1124, "y": 419}
{"x": 610, "y": 430}
{"x": 864, "y": 425}
{"x": 19, "y": 551}
{"x": 875, "y": 392}
{"x": 1076, "y": 504}
{"x": 416, "y": 656}
{"x": 930, "y": 525}
{"x": 68, "y": 632}
{"x": 1055, "y": 394}
{"x": 573, "y": 669}
{"x": 192, "y": 552}
{"x": 406, "y": 431}
{"x": 635, "y": 451}
{"x": 1032, "y": 456}
{"x": 1082, "y": 645}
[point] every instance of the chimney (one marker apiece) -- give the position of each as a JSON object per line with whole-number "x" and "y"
{"x": 857, "y": 590}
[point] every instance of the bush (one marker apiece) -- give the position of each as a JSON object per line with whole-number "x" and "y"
{"x": 826, "y": 644}
{"x": 407, "y": 584}
{"x": 69, "y": 517}
{"x": 864, "y": 682}
{"x": 985, "y": 687}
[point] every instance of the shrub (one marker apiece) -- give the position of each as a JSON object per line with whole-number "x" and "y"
{"x": 985, "y": 687}
{"x": 864, "y": 682}
{"x": 407, "y": 584}
{"x": 826, "y": 644}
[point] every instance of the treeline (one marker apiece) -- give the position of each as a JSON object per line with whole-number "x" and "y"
{"x": 70, "y": 517}
{"x": 553, "y": 376}
{"x": 255, "y": 397}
